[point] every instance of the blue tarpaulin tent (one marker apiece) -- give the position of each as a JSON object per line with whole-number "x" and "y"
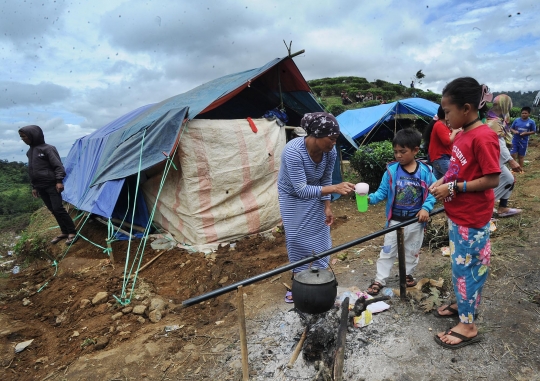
{"x": 104, "y": 168}
{"x": 358, "y": 123}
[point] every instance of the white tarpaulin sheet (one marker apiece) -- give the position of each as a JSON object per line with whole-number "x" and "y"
{"x": 225, "y": 186}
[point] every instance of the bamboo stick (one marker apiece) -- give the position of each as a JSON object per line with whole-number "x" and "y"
{"x": 243, "y": 339}
{"x": 297, "y": 349}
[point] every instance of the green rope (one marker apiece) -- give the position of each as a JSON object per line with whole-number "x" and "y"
{"x": 123, "y": 300}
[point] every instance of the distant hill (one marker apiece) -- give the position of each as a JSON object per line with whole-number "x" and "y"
{"x": 328, "y": 91}
{"x": 520, "y": 99}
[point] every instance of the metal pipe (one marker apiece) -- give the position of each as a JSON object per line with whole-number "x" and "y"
{"x": 290, "y": 266}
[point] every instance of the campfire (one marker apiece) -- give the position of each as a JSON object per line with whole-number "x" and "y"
{"x": 323, "y": 341}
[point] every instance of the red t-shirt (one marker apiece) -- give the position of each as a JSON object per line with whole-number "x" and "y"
{"x": 475, "y": 154}
{"x": 439, "y": 142}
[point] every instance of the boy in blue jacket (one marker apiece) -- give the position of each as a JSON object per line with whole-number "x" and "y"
{"x": 405, "y": 187}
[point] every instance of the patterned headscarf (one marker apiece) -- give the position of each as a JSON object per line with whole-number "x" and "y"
{"x": 320, "y": 124}
{"x": 498, "y": 117}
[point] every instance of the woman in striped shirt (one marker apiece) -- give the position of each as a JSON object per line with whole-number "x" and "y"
{"x": 305, "y": 187}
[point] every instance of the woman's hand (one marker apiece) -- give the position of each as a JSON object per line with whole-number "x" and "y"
{"x": 342, "y": 189}
{"x": 440, "y": 192}
{"x": 329, "y": 215}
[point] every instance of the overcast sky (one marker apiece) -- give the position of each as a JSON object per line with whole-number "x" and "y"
{"x": 73, "y": 67}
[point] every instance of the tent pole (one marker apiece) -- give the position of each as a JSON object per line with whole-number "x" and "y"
{"x": 341, "y": 163}
{"x": 395, "y": 125}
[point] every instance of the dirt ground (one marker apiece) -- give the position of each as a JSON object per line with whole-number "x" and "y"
{"x": 75, "y": 339}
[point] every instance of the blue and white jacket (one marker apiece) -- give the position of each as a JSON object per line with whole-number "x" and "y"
{"x": 387, "y": 189}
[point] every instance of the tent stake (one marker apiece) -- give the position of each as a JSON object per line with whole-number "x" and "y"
{"x": 243, "y": 339}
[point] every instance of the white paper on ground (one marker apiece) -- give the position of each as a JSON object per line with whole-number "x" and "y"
{"x": 377, "y": 307}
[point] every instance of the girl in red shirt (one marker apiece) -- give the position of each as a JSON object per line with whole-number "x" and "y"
{"x": 440, "y": 144}
{"x": 467, "y": 192}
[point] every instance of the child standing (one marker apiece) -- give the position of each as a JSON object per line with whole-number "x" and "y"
{"x": 405, "y": 187}
{"x": 467, "y": 192}
{"x": 47, "y": 175}
{"x": 522, "y": 128}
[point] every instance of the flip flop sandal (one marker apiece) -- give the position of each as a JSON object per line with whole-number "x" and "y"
{"x": 510, "y": 212}
{"x": 447, "y": 308}
{"x": 72, "y": 240}
{"x": 59, "y": 238}
{"x": 451, "y": 309}
{"x": 464, "y": 340}
{"x": 288, "y": 297}
{"x": 374, "y": 291}
{"x": 410, "y": 281}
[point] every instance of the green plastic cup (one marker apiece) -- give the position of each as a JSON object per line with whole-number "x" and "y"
{"x": 362, "y": 202}
{"x": 361, "y": 190}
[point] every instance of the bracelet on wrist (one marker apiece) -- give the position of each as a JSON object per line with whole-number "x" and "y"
{"x": 464, "y": 186}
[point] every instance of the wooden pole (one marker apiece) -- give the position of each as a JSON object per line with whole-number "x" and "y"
{"x": 120, "y": 230}
{"x": 298, "y": 348}
{"x": 401, "y": 260}
{"x": 341, "y": 163}
{"x": 149, "y": 262}
{"x": 243, "y": 339}
{"x": 111, "y": 256}
{"x": 135, "y": 227}
{"x": 339, "y": 358}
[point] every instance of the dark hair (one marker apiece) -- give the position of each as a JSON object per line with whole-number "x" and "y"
{"x": 465, "y": 90}
{"x": 408, "y": 138}
{"x": 426, "y": 136}
{"x": 526, "y": 108}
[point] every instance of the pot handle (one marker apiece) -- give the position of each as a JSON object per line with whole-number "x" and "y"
{"x": 329, "y": 265}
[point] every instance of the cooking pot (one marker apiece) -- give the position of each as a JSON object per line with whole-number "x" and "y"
{"x": 314, "y": 291}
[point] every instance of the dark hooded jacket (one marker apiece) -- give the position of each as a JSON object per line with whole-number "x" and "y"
{"x": 44, "y": 164}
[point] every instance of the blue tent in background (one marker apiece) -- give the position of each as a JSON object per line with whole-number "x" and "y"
{"x": 360, "y": 122}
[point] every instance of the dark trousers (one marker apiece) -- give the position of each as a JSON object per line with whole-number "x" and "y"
{"x": 53, "y": 202}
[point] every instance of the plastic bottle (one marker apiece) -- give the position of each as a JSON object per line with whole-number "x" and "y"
{"x": 15, "y": 270}
{"x": 388, "y": 292}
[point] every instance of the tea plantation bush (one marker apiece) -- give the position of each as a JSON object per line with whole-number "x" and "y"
{"x": 370, "y": 161}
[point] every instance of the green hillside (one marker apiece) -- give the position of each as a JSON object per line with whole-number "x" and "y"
{"x": 16, "y": 201}
{"x": 328, "y": 92}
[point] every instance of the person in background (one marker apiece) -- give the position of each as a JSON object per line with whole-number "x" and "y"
{"x": 467, "y": 192}
{"x": 305, "y": 187}
{"x": 404, "y": 186}
{"x": 46, "y": 175}
{"x": 497, "y": 119}
{"x": 438, "y": 139}
{"x": 522, "y": 128}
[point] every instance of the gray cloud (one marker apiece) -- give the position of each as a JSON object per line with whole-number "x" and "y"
{"x": 14, "y": 94}
{"x": 102, "y": 59}
{"x": 28, "y": 20}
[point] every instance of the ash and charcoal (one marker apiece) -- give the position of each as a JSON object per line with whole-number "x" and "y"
{"x": 320, "y": 345}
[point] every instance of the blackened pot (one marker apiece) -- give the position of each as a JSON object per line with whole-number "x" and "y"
{"x": 314, "y": 291}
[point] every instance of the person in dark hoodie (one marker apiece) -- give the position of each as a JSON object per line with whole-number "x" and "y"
{"x": 46, "y": 175}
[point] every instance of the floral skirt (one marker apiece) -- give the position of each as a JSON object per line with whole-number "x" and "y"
{"x": 470, "y": 251}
